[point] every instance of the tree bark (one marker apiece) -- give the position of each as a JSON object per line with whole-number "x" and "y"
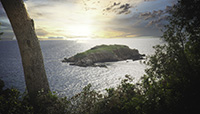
{"x": 32, "y": 60}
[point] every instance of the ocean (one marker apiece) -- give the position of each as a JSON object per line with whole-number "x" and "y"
{"x": 67, "y": 80}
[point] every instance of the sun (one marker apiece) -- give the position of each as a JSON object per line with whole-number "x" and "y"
{"x": 80, "y": 30}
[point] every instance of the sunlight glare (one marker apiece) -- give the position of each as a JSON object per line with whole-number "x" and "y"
{"x": 80, "y": 30}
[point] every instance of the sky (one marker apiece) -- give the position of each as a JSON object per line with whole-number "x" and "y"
{"x": 94, "y": 18}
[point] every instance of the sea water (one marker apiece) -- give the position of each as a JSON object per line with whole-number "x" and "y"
{"x": 68, "y": 80}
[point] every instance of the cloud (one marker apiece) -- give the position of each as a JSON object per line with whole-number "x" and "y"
{"x": 112, "y": 6}
{"x": 72, "y": 18}
{"x": 149, "y": 0}
{"x": 154, "y": 14}
{"x": 124, "y": 9}
{"x": 147, "y": 23}
{"x": 119, "y": 8}
{"x": 169, "y": 8}
{"x": 157, "y": 18}
{"x": 41, "y": 32}
{"x": 133, "y": 26}
{"x": 160, "y": 22}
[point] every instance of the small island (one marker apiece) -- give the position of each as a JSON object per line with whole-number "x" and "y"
{"x": 104, "y": 53}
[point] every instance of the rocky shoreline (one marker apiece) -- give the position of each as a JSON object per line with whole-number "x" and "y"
{"x": 104, "y": 53}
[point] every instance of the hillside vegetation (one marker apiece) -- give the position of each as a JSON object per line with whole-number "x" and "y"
{"x": 104, "y": 53}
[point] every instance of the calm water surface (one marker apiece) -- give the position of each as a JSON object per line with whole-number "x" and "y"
{"x": 69, "y": 80}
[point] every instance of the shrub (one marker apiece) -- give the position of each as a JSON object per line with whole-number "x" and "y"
{"x": 12, "y": 102}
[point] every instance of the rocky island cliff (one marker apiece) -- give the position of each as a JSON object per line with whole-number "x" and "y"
{"x": 103, "y": 53}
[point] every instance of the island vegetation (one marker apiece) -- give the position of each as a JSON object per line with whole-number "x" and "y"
{"x": 170, "y": 85}
{"x": 103, "y": 53}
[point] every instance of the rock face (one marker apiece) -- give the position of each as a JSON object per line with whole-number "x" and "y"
{"x": 103, "y": 53}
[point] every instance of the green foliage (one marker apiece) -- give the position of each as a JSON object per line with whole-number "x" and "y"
{"x": 51, "y": 104}
{"x": 99, "y": 49}
{"x": 12, "y": 102}
{"x": 171, "y": 82}
{"x": 85, "y": 102}
{"x": 125, "y": 99}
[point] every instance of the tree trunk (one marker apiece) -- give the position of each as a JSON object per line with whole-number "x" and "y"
{"x": 32, "y": 60}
